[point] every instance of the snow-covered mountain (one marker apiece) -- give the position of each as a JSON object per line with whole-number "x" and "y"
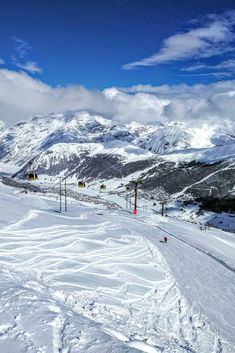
{"x": 165, "y": 140}
{"x": 40, "y": 133}
{"x": 85, "y": 145}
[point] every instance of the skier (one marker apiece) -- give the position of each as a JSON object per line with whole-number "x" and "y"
{"x": 164, "y": 240}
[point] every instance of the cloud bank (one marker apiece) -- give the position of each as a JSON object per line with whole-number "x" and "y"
{"x": 22, "y": 97}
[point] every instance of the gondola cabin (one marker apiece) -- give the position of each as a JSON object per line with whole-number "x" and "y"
{"x": 32, "y": 176}
{"x": 81, "y": 184}
{"x": 102, "y": 187}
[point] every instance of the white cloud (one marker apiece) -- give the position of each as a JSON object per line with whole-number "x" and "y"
{"x": 212, "y": 38}
{"x": 22, "y": 97}
{"x": 195, "y": 67}
{"x": 228, "y": 65}
{"x": 22, "y": 47}
{"x": 30, "y": 66}
{"x": 218, "y": 75}
{"x": 140, "y": 107}
{"x": 197, "y": 104}
{"x": 2, "y": 62}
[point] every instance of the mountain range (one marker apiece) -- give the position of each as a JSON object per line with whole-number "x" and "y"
{"x": 85, "y": 146}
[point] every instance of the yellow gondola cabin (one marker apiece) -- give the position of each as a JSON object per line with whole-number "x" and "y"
{"x": 32, "y": 176}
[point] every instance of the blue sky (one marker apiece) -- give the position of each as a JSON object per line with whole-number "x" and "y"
{"x": 104, "y": 43}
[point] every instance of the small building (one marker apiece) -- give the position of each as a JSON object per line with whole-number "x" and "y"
{"x": 32, "y": 176}
{"x": 102, "y": 187}
{"x": 81, "y": 184}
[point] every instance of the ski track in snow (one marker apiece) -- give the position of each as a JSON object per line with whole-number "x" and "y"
{"x": 89, "y": 282}
{"x": 220, "y": 261}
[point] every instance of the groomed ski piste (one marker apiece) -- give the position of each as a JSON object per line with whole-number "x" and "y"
{"x": 96, "y": 280}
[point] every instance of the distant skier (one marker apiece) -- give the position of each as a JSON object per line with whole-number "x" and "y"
{"x": 164, "y": 240}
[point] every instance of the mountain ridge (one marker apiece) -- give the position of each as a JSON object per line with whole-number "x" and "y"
{"x": 83, "y": 127}
{"x": 84, "y": 145}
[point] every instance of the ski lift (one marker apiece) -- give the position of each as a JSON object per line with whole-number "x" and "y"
{"x": 32, "y": 176}
{"x": 81, "y": 184}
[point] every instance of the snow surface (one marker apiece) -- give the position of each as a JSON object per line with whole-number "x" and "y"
{"x": 206, "y": 155}
{"x": 91, "y": 280}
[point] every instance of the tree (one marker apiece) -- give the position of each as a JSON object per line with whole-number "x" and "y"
{"x": 186, "y": 198}
{"x": 162, "y": 197}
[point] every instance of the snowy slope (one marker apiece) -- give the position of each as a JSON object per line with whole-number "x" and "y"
{"x": 206, "y": 155}
{"x": 181, "y": 137}
{"x": 165, "y": 139}
{"x": 34, "y": 320}
{"x": 105, "y": 283}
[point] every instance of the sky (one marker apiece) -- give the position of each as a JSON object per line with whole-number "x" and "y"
{"x": 80, "y": 51}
